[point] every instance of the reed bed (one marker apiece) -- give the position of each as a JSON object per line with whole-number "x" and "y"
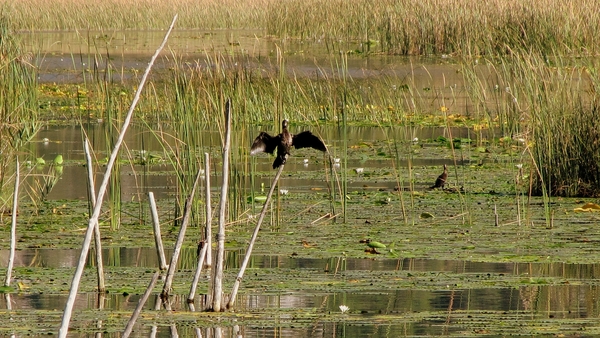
{"x": 408, "y": 28}
{"x": 18, "y": 103}
{"x": 139, "y": 14}
{"x": 549, "y": 104}
{"x": 265, "y": 95}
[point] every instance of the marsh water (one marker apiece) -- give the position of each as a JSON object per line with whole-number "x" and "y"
{"x": 67, "y": 141}
{"x": 296, "y": 293}
{"x": 455, "y": 304}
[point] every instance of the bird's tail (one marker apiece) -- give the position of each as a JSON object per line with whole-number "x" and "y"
{"x": 278, "y": 161}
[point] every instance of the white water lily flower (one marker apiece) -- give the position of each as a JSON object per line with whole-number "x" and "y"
{"x": 283, "y": 191}
{"x": 344, "y": 308}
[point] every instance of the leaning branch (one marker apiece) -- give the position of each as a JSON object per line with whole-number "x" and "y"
{"x": 240, "y": 275}
{"x": 64, "y": 328}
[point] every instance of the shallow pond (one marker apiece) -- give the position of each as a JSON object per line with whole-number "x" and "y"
{"x": 448, "y": 269}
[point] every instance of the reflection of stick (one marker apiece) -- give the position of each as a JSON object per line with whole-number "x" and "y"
{"x": 217, "y": 290}
{"x": 140, "y": 306}
{"x": 240, "y": 275}
{"x": 8, "y": 302}
{"x": 97, "y": 241}
{"x": 162, "y": 261}
{"x": 187, "y": 215}
{"x": 13, "y": 228}
{"x": 64, "y": 326}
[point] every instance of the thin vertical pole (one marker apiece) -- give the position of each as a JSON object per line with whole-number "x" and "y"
{"x": 97, "y": 241}
{"x": 220, "y": 257}
{"x": 208, "y": 229}
{"x": 160, "y": 251}
{"x": 13, "y": 228}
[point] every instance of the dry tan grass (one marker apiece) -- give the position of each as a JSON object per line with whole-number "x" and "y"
{"x": 403, "y": 27}
{"x": 133, "y": 14}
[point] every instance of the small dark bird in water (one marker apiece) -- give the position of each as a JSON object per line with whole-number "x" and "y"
{"x": 441, "y": 180}
{"x": 283, "y": 142}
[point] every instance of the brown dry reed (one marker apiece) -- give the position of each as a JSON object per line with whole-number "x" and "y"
{"x": 413, "y": 27}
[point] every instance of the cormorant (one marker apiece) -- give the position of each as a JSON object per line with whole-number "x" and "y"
{"x": 283, "y": 142}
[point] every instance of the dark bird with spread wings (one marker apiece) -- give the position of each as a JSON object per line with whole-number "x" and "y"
{"x": 283, "y": 142}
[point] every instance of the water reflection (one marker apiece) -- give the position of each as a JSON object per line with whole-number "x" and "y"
{"x": 68, "y": 56}
{"x": 544, "y": 301}
{"x": 147, "y": 258}
{"x": 572, "y": 295}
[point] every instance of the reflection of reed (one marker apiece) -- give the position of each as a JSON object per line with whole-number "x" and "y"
{"x": 450, "y": 306}
{"x": 528, "y": 295}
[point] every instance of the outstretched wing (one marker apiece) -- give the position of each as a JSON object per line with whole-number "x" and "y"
{"x": 264, "y": 143}
{"x": 306, "y": 139}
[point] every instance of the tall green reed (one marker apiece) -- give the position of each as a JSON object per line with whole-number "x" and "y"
{"x": 18, "y": 101}
{"x": 549, "y": 104}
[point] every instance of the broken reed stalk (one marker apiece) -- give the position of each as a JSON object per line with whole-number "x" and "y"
{"x": 187, "y": 215}
{"x": 92, "y": 193}
{"x": 240, "y": 275}
{"x": 160, "y": 251}
{"x": 207, "y": 199}
{"x": 140, "y": 306}
{"x": 93, "y": 221}
{"x": 201, "y": 258}
{"x": 13, "y": 227}
{"x": 217, "y": 276}
{"x": 330, "y": 182}
{"x": 497, "y": 223}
